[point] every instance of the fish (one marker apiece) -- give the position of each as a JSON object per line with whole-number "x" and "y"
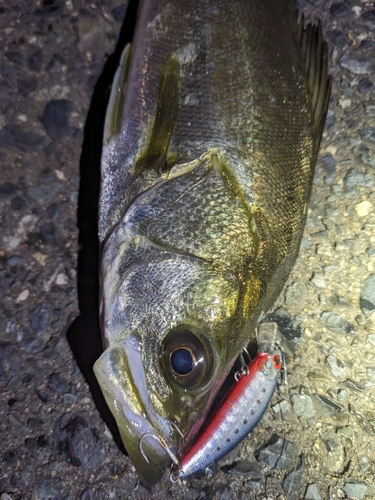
{"x": 236, "y": 416}
{"x": 210, "y": 142}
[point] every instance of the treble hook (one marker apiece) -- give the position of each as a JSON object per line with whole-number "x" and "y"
{"x": 164, "y": 445}
{"x": 175, "y": 426}
{"x": 244, "y": 369}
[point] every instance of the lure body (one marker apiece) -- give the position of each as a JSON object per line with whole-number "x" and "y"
{"x": 238, "y": 414}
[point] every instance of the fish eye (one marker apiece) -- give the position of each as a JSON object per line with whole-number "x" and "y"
{"x": 182, "y": 361}
{"x": 187, "y": 358}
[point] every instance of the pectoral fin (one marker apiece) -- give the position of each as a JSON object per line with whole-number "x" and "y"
{"x": 165, "y": 117}
{"x": 314, "y": 52}
{"x": 115, "y": 107}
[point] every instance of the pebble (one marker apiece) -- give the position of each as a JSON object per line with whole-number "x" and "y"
{"x": 318, "y": 280}
{"x": 38, "y": 319}
{"x": 280, "y": 454}
{"x": 61, "y": 279}
{"x": 58, "y": 384}
{"x": 43, "y": 194}
{"x": 355, "y": 490}
{"x": 312, "y": 493}
{"x": 23, "y": 295}
{"x": 358, "y": 66}
{"x": 246, "y": 468}
{"x": 7, "y": 189}
{"x": 56, "y": 118}
{"x": 335, "y": 366}
{"x": 302, "y": 405}
{"x": 35, "y": 61}
{"x": 367, "y": 297}
{"x": 368, "y": 134}
{"x": 295, "y": 297}
{"x": 364, "y": 208}
{"x": 293, "y": 482}
{"x": 76, "y": 443}
{"x": 48, "y": 488}
{"x": 325, "y": 406}
{"x": 336, "y": 324}
{"x": 356, "y": 178}
{"x": 20, "y": 138}
{"x": 365, "y": 85}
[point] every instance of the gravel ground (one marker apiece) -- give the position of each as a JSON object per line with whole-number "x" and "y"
{"x": 317, "y": 439}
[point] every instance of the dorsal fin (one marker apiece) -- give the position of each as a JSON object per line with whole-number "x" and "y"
{"x": 113, "y": 117}
{"x": 165, "y": 117}
{"x": 314, "y": 52}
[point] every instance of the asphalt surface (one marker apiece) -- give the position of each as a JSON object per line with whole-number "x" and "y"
{"x": 57, "y": 439}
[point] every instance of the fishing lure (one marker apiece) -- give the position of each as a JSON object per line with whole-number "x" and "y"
{"x": 238, "y": 414}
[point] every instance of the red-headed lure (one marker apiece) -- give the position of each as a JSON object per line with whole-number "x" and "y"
{"x": 237, "y": 415}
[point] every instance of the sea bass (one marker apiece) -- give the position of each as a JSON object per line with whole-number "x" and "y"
{"x": 211, "y": 138}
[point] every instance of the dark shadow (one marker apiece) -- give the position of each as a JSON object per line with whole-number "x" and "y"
{"x": 83, "y": 334}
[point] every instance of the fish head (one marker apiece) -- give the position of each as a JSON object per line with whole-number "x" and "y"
{"x": 167, "y": 317}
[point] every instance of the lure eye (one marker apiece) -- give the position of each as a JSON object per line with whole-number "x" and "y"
{"x": 187, "y": 358}
{"x": 276, "y": 361}
{"x": 182, "y": 361}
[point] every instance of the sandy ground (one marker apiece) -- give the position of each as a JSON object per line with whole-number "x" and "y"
{"x": 317, "y": 439}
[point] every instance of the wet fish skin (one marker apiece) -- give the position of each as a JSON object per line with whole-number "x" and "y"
{"x": 209, "y": 150}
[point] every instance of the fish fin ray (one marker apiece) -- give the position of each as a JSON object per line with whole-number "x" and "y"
{"x": 165, "y": 117}
{"x": 113, "y": 117}
{"x": 314, "y": 52}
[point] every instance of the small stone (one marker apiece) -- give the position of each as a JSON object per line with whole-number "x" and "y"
{"x": 367, "y": 297}
{"x": 35, "y": 61}
{"x": 48, "y": 234}
{"x": 7, "y": 189}
{"x": 61, "y": 279}
{"x": 358, "y": 66}
{"x": 295, "y": 297}
{"x": 312, "y": 493}
{"x": 336, "y": 324}
{"x": 335, "y": 366}
{"x": 38, "y": 319}
{"x": 305, "y": 243}
{"x": 244, "y": 467}
{"x": 355, "y": 490}
{"x": 368, "y": 134}
{"x": 325, "y": 406}
{"x": 56, "y": 118}
{"x": 354, "y": 178}
{"x": 318, "y": 280}
{"x": 284, "y": 408}
{"x": 364, "y": 208}
{"x": 293, "y": 482}
{"x": 48, "y": 488}
{"x": 281, "y": 454}
{"x": 339, "y": 10}
{"x": 118, "y": 13}
{"x": 40, "y": 257}
{"x": 347, "y": 432}
{"x": 57, "y": 384}
{"x": 302, "y": 405}
{"x": 20, "y": 138}
{"x": 18, "y": 203}
{"x": 76, "y": 443}
{"x": 365, "y": 85}
{"x": 26, "y": 85}
{"x": 23, "y": 296}
{"x": 14, "y": 57}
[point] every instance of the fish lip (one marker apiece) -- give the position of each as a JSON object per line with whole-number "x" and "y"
{"x": 121, "y": 376}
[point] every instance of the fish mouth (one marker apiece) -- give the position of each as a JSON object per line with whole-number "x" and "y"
{"x": 121, "y": 376}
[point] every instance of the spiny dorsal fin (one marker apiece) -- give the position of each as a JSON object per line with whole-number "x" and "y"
{"x": 314, "y": 52}
{"x": 113, "y": 117}
{"x": 165, "y": 116}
